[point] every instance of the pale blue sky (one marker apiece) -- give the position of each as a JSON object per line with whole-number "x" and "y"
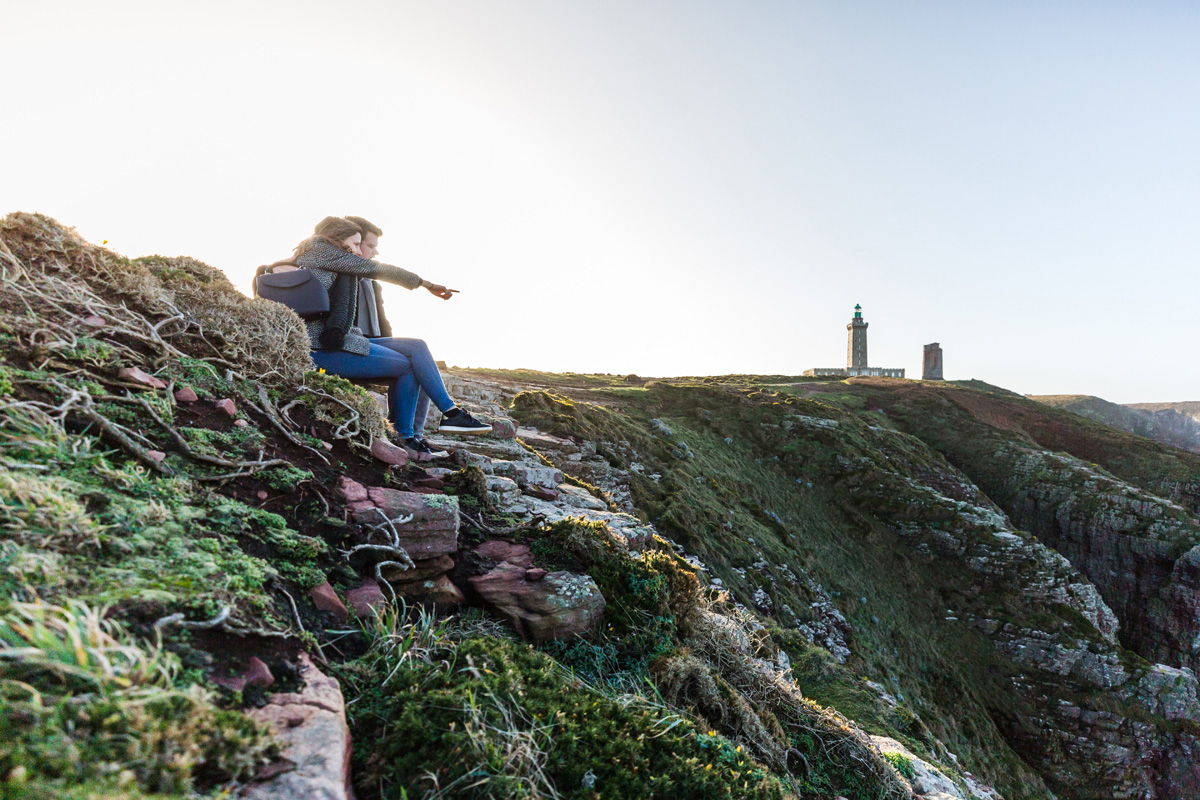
{"x": 661, "y": 187}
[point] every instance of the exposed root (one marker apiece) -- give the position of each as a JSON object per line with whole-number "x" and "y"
{"x": 268, "y": 411}
{"x": 178, "y": 619}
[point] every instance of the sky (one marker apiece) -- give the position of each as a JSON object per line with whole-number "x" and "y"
{"x": 657, "y": 187}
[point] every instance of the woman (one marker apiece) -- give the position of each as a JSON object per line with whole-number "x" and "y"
{"x": 339, "y": 347}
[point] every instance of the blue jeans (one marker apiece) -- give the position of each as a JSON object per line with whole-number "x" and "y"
{"x": 384, "y": 365}
{"x": 429, "y": 386}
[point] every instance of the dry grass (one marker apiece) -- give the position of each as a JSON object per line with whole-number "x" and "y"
{"x": 44, "y": 512}
{"x": 728, "y": 677}
{"x": 154, "y": 309}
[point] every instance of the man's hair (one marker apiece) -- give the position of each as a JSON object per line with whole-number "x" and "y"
{"x": 366, "y": 225}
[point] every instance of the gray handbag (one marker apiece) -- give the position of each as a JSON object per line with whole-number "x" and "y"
{"x": 297, "y": 289}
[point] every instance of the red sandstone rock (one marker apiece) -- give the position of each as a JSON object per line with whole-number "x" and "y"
{"x": 542, "y": 493}
{"x": 535, "y": 574}
{"x": 366, "y": 598}
{"x": 228, "y": 406}
{"x": 432, "y": 483}
{"x": 503, "y": 429}
{"x": 135, "y": 375}
{"x": 389, "y": 453}
{"x": 560, "y": 605}
{"x": 311, "y": 726}
{"x": 326, "y": 599}
{"x": 426, "y": 490}
{"x": 258, "y": 673}
{"x": 433, "y": 529}
{"x": 186, "y": 395}
{"x": 424, "y": 570}
{"x": 156, "y": 456}
{"x": 93, "y": 321}
{"x": 500, "y": 551}
{"x": 262, "y": 494}
{"x": 440, "y": 592}
{"x": 351, "y": 490}
{"x": 240, "y": 423}
{"x": 327, "y": 445}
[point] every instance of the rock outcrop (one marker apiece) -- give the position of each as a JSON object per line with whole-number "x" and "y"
{"x": 541, "y": 606}
{"x": 311, "y": 725}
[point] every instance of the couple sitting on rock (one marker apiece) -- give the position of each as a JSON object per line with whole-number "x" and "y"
{"x": 353, "y": 341}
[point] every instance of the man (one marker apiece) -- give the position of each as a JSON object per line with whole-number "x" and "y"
{"x": 375, "y": 326}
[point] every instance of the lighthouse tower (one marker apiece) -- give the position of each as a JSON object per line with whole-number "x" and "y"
{"x": 856, "y": 344}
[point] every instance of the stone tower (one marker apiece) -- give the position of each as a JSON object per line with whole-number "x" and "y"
{"x": 933, "y": 363}
{"x": 856, "y": 345}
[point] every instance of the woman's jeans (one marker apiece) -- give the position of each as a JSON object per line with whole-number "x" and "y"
{"x": 405, "y": 365}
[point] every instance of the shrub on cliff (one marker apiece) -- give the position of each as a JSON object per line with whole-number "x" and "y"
{"x": 163, "y": 307}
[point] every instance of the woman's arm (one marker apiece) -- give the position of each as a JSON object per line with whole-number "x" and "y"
{"x": 323, "y": 255}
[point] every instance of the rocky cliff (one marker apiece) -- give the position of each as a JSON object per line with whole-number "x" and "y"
{"x": 1175, "y": 424}
{"x": 218, "y": 577}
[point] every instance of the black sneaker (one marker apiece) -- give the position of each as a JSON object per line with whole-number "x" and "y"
{"x": 419, "y": 449}
{"x": 458, "y": 421}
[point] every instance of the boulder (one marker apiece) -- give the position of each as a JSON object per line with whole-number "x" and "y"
{"x": 256, "y": 673}
{"x": 504, "y": 489}
{"x": 351, "y": 490}
{"x": 927, "y": 781}
{"x": 500, "y": 551}
{"x": 326, "y": 599}
{"x": 542, "y": 493}
{"x": 440, "y": 592}
{"x": 366, "y": 598}
{"x": 311, "y": 727}
{"x": 580, "y": 498}
{"x": 503, "y": 429}
{"x": 135, "y": 375}
{"x": 389, "y": 453}
{"x": 559, "y": 606}
{"x": 433, "y": 529}
{"x": 430, "y": 482}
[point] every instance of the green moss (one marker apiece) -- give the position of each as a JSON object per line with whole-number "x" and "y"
{"x": 117, "y": 721}
{"x": 455, "y": 723}
{"x": 902, "y": 763}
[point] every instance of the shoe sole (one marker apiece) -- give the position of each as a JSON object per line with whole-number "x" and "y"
{"x": 445, "y": 429}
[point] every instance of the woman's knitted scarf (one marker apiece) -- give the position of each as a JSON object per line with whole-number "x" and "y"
{"x": 343, "y": 309}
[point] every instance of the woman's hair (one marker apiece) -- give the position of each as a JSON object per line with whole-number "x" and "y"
{"x": 333, "y": 230}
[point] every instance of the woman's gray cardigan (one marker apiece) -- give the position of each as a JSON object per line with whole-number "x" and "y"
{"x": 326, "y": 263}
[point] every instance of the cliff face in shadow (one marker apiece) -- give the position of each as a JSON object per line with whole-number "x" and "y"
{"x": 1174, "y": 424}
